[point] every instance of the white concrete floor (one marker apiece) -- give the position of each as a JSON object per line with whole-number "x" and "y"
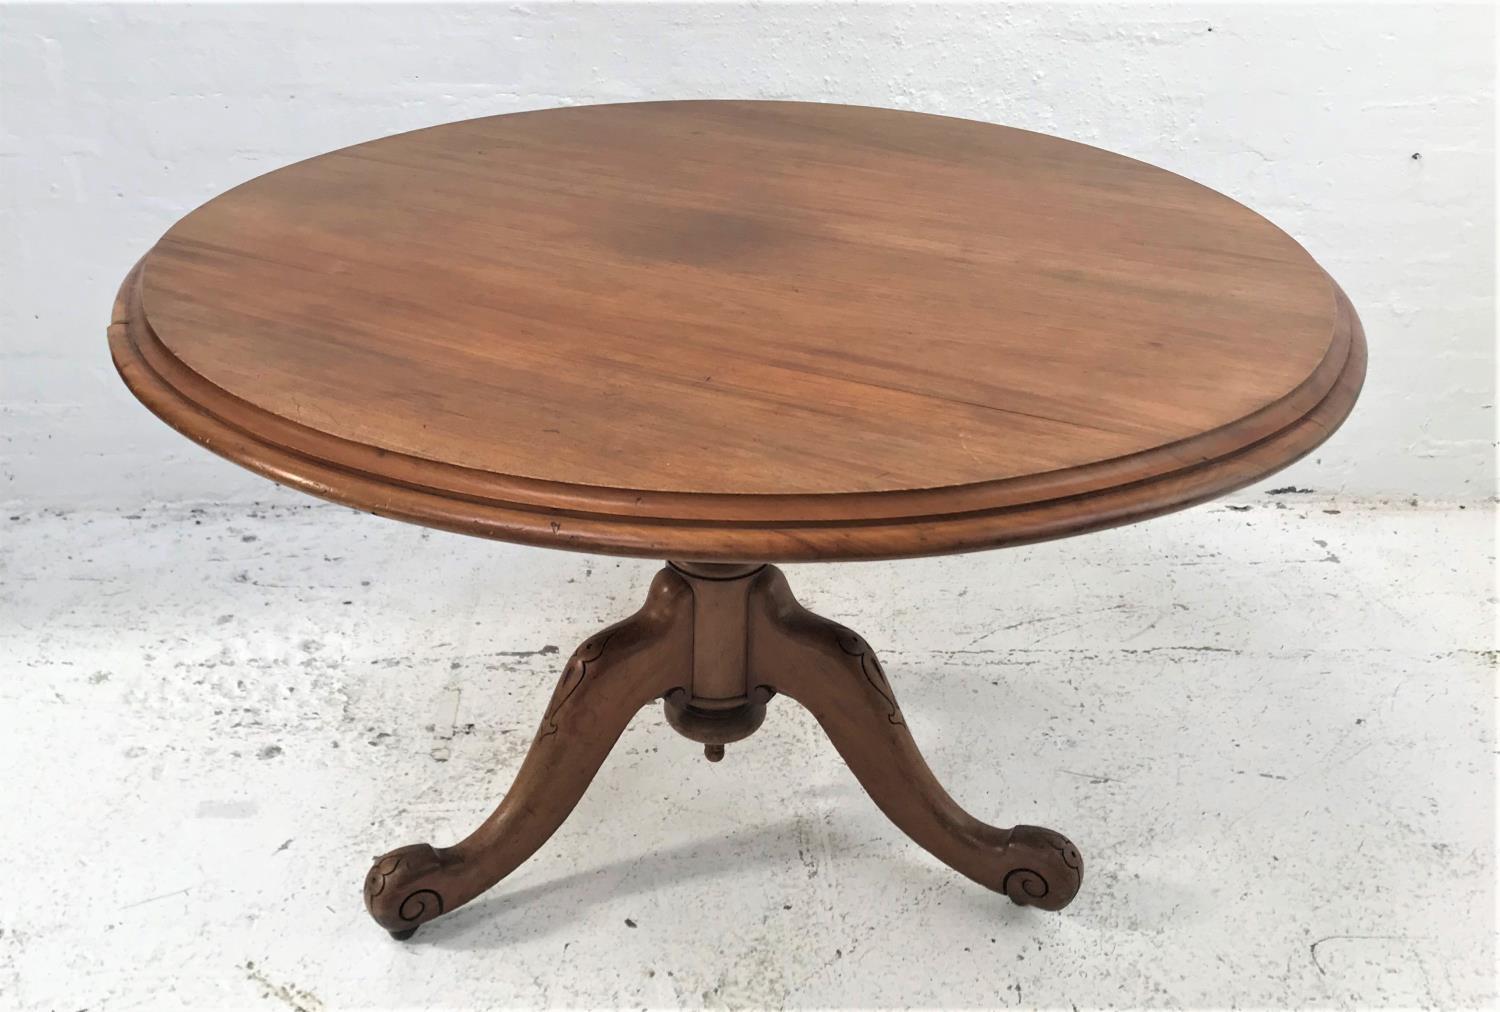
{"x": 1270, "y": 730}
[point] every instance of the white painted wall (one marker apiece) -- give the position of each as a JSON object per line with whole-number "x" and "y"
{"x": 117, "y": 120}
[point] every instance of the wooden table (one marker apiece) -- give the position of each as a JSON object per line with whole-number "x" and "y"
{"x": 730, "y": 334}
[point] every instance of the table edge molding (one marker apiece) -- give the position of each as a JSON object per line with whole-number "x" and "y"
{"x": 733, "y": 527}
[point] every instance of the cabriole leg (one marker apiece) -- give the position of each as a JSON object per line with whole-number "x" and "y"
{"x": 835, "y": 675}
{"x": 611, "y": 676}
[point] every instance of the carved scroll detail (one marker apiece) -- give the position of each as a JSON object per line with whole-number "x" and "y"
{"x": 415, "y": 907}
{"x": 589, "y": 651}
{"x": 402, "y": 871}
{"x": 375, "y": 880}
{"x": 855, "y": 646}
{"x": 1052, "y": 872}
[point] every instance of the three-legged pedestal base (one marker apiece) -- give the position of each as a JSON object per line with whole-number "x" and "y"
{"x": 716, "y": 642}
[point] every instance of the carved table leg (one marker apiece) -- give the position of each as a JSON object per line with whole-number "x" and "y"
{"x": 611, "y": 676}
{"x": 835, "y": 675}
{"x": 717, "y": 642}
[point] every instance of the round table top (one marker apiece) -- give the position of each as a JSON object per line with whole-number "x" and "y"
{"x": 729, "y": 330}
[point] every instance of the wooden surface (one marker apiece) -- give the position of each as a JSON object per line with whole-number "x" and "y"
{"x": 716, "y": 646}
{"x": 740, "y": 331}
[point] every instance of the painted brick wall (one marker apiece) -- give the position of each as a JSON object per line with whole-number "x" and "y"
{"x": 1365, "y": 132}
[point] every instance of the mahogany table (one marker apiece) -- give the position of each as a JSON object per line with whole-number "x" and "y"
{"x": 730, "y": 334}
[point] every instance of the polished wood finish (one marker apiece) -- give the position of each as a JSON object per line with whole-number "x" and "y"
{"x": 751, "y": 622}
{"x": 609, "y": 677}
{"x": 731, "y": 334}
{"x": 728, "y": 331}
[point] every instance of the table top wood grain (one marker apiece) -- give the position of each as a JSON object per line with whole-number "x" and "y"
{"x": 733, "y": 330}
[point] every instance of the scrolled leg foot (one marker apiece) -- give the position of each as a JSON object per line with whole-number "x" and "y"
{"x": 403, "y": 889}
{"x": 1041, "y": 868}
